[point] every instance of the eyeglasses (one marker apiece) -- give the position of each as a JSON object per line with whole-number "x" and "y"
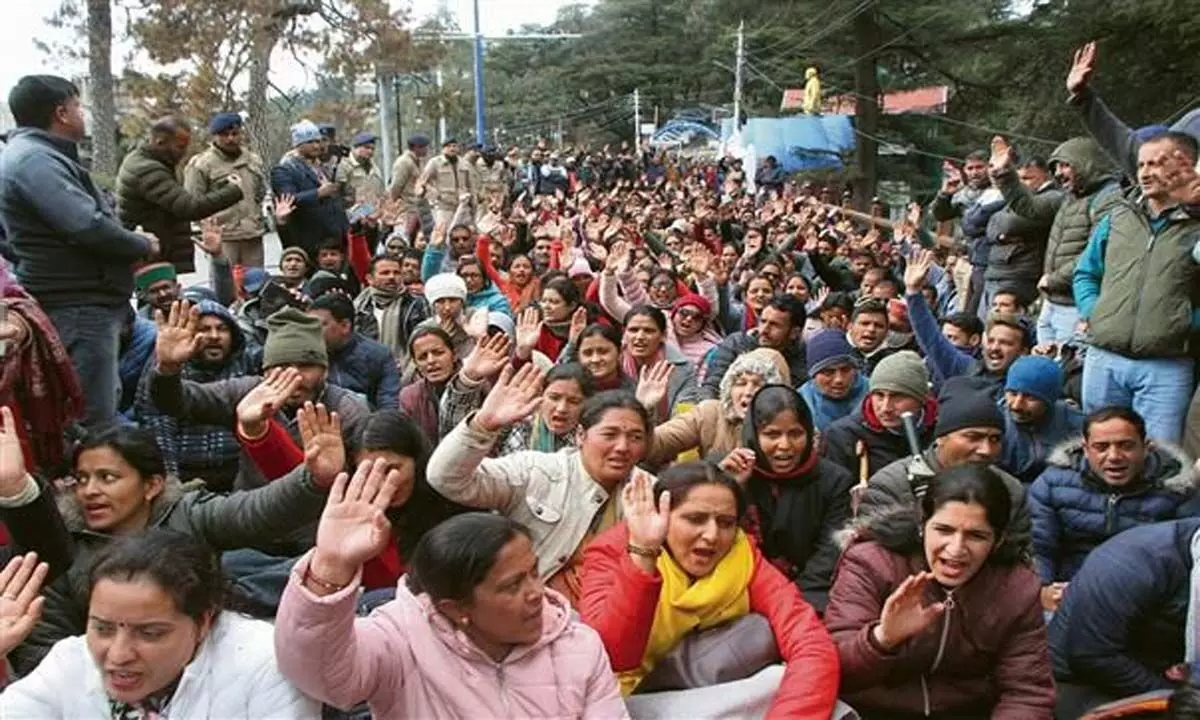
{"x": 470, "y": 275}
{"x": 689, "y": 314}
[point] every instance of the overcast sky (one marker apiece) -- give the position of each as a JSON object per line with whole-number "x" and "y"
{"x": 24, "y": 21}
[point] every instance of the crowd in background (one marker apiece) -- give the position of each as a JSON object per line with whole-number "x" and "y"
{"x": 580, "y": 432}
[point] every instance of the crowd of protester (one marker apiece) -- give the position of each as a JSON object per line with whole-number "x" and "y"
{"x": 598, "y": 433}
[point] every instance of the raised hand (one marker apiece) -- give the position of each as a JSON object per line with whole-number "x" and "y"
{"x": 529, "y": 331}
{"x": 285, "y": 205}
{"x": 20, "y": 602}
{"x": 653, "y": 383}
{"x": 324, "y": 449}
{"x": 178, "y": 336}
{"x": 513, "y": 398}
{"x": 579, "y": 321}
{"x": 1082, "y": 67}
{"x": 268, "y": 396}
{"x": 914, "y": 214}
{"x": 753, "y": 245}
{"x": 1001, "y": 158}
{"x": 354, "y": 527}
{"x": 487, "y": 359}
{"x": 210, "y": 235}
{"x": 905, "y": 613}
{"x": 700, "y": 261}
{"x": 952, "y": 179}
{"x": 12, "y": 460}
{"x": 476, "y": 325}
{"x": 618, "y": 257}
{"x": 646, "y": 519}
{"x": 918, "y": 268}
{"x": 739, "y": 464}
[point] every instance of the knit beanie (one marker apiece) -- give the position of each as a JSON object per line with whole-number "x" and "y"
{"x": 1038, "y": 376}
{"x": 445, "y": 285}
{"x": 903, "y": 373}
{"x": 294, "y": 338}
{"x": 305, "y": 132}
{"x": 149, "y": 274}
{"x": 502, "y": 322}
{"x": 826, "y": 349}
{"x": 966, "y": 402}
{"x": 294, "y": 250}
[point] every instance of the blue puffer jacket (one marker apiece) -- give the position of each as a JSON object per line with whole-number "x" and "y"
{"x": 1074, "y": 511}
{"x": 1027, "y": 447}
{"x": 366, "y": 367}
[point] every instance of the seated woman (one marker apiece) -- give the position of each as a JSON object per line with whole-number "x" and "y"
{"x": 679, "y": 564}
{"x": 940, "y": 616}
{"x": 158, "y": 644}
{"x": 598, "y": 350}
{"x": 647, "y": 354}
{"x": 472, "y": 633}
{"x": 431, "y": 352}
{"x": 715, "y": 426}
{"x": 564, "y": 497}
{"x": 121, "y": 487}
{"x": 798, "y": 500}
{"x": 550, "y": 429}
{"x": 387, "y": 435}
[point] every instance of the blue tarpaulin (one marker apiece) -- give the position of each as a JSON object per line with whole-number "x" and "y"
{"x": 802, "y": 142}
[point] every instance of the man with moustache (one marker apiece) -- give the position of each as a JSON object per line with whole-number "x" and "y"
{"x": 294, "y": 341}
{"x": 242, "y": 225}
{"x": 199, "y": 450}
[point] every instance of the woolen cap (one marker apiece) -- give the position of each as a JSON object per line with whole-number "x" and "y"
{"x": 149, "y": 274}
{"x": 966, "y": 402}
{"x": 826, "y": 349}
{"x": 903, "y": 372}
{"x": 1038, "y": 376}
{"x": 305, "y": 132}
{"x": 294, "y": 338}
{"x": 445, "y": 285}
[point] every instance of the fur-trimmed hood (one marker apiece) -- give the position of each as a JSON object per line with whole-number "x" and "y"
{"x": 1167, "y": 465}
{"x": 764, "y": 362}
{"x": 160, "y": 507}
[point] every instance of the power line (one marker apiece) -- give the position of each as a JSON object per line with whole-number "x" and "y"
{"x": 893, "y": 41}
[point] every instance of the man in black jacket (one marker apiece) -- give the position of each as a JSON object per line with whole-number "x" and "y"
{"x": 73, "y": 255}
{"x": 320, "y": 211}
{"x": 779, "y": 328}
{"x": 151, "y": 196}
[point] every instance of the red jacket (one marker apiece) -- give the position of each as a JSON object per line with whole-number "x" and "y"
{"x": 619, "y": 600}
{"x": 995, "y": 659}
{"x": 276, "y": 454}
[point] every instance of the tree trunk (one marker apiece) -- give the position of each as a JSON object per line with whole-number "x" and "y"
{"x": 866, "y": 113}
{"x": 104, "y": 110}
{"x": 259, "y": 123}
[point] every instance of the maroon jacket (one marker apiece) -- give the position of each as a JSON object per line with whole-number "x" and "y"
{"x": 988, "y": 653}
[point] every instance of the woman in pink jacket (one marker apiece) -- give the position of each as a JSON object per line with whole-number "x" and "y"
{"x": 472, "y": 631}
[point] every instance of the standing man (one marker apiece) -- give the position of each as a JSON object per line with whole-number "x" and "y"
{"x": 150, "y": 195}
{"x": 444, "y": 182}
{"x": 73, "y": 256}
{"x": 359, "y": 174}
{"x": 320, "y": 212}
{"x": 956, "y": 201}
{"x": 1138, "y": 288}
{"x": 405, "y": 172}
{"x": 242, "y": 225}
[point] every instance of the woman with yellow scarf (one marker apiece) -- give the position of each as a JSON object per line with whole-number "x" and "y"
{"x": 679, "y": 564}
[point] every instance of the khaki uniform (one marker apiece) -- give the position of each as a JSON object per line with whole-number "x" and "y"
{"x": 242, "y": 225}
{"x": 361, "y": 183}
{"x": 444, "y": 182}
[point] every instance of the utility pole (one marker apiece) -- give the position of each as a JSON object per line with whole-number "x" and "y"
{"x": 737, "y": 76}
{"x": 438, "y": 80}
{"x": 637, "y": 119}
{"x": 480, "y": 128}
{"x": 386, "y": 101}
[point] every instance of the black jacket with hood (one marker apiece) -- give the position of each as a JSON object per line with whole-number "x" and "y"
{"x": 796, "y": 515}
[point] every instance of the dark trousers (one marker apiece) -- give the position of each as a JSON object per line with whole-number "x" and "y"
{"x": 91, "y": 335}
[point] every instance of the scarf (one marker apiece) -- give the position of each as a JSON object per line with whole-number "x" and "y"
{"x": 153, "y": 707}
{"x": 40, "y": 383}
{"x": 764, "y": 522}
{"x": 685, "y": 606}
{"x": 541, "y": 438}
{"x": 389, "y": 323}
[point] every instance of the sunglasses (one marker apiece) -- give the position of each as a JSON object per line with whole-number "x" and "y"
{"x": 689, "y": 314}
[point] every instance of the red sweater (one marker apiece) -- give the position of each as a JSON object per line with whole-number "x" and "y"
{"x": 276, "y": 454}
{"x": 619, "y": 600}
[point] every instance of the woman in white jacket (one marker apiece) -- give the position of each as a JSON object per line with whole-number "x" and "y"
{"x": 159, "y": 645}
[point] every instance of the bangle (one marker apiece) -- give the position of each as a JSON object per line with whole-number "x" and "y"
{"x": 310, "y": 576}
{"x": 643, "y": 551}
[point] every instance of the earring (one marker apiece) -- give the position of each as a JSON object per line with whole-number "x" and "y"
{"x": 464, "y": 621}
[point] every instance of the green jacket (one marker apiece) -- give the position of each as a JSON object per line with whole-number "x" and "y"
{"x": 1137, "y": 283}
{"x": 150, "y": 194}
{"x": 250, "y": 519}
{"x": 1075, "y": 213}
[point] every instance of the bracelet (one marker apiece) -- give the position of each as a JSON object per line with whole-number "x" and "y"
{"x": 643, "y": 551}
{"x": 325, "y": 585}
